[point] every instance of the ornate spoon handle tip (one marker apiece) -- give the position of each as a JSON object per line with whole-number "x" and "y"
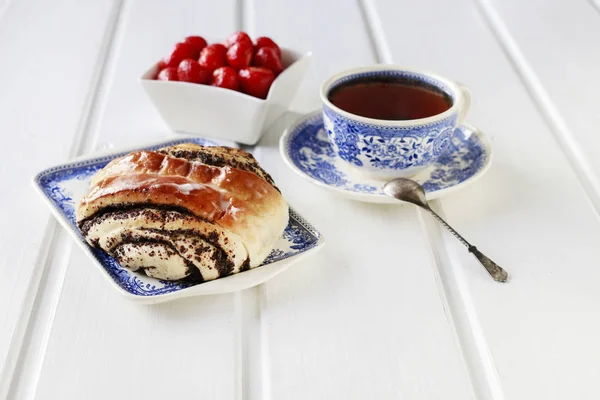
{"x": 492, "y": 268}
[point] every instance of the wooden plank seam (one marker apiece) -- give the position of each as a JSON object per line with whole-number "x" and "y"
{"x": 82, "y": 136}
{"x": 252, "y": 356}
{"x": 460, "y": 309}
{"x": 454, "y": 292}
{"x": 540, "y": 97}
{"x": 16, "y": 342}
{"x": 374, "y": 28}
{"x": 42, "y": 318}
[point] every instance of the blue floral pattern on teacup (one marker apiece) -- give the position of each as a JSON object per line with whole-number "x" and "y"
{"x": 394, "y": 148}
{"x": 378, "y": 147}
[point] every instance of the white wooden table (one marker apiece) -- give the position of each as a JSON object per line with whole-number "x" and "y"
{"x": 392, "y": 307}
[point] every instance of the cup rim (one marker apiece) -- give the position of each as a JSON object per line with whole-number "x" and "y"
{"x": 458, "y": 96}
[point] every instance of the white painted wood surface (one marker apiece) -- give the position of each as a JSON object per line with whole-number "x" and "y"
{"x": 51, "y": 58}
{"x": 560, "y": 72}
{"x": 392, "y": 307}
{"x": 357, "y": 317}
{"x": 529, "y": 213}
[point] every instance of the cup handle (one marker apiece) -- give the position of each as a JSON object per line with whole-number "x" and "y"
{"x": 466, "y": 103}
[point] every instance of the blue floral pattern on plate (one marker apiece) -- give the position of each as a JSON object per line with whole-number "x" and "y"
{"x": 65, "y": 184}
{"x": 307, "y": 148}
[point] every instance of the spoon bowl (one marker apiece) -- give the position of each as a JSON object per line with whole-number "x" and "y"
{"x": 406, "y": 190}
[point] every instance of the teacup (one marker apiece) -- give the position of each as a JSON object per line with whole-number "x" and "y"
{"x": 389, "y": 148}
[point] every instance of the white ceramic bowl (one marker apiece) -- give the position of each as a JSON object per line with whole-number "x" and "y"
{"x": 206, "y": 110}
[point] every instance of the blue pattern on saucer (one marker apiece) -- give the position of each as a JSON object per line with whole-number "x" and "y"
{"x": 57, "y": 184}
{"x": 308, "y": 147}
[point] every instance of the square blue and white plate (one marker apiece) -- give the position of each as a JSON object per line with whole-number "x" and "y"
{"x": 62, "y": 186}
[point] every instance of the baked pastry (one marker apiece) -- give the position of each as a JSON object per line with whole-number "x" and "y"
{"x": 184, "y": 212}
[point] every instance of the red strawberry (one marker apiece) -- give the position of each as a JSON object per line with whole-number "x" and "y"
{"x": 239, "y": 55}
{"x": 197, "y": 43}
{"x": 256, "y": 81}
{"x": 225, "y": 77}
{"x": 179, "y": 53}
{"x": 238, "y": 37}
{"x": 168, "y": 74}
{"x": 190, "y": 71}
{"x": 267, "y": 57}
{"x": 213, "y": 56}
{"x": 264, "y": 41}
{"x": 159, "y": 67}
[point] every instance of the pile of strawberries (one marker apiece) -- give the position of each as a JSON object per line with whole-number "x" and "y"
{"x": 238, "y": 64}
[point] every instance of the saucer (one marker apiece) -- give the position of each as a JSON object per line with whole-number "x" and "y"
{"x": 63, "y": 185}
{"x": 306, "y": 148}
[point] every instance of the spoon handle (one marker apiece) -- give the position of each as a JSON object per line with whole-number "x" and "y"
{"x": 492, "y": 268}
{"x": 452, "y": 231}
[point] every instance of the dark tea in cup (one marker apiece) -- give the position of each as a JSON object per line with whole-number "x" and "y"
{"x": 390, "y": 98}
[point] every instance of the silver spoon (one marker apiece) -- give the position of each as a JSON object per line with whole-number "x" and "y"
{"x": 410, "y": 191}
